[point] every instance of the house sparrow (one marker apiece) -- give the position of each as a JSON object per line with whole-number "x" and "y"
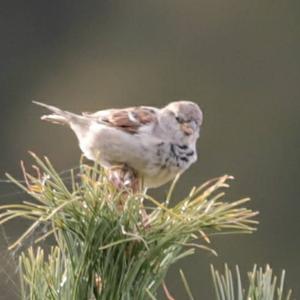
{"x": 148, "y": 144}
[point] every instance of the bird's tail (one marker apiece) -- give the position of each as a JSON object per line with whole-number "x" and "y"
{"x": 58, "y": 116}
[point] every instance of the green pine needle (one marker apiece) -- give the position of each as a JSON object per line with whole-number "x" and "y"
{"x": 263, "y": 285}
{"x": 105, "y": 248}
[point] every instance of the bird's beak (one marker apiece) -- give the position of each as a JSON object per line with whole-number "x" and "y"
{"x": 188, "y": 128}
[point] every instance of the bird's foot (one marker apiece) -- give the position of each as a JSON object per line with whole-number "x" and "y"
{"x": 123, "y": 177}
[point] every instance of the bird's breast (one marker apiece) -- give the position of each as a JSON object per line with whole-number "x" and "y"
{"x": 169, "y": 160}
{"x": 180, "y": 156}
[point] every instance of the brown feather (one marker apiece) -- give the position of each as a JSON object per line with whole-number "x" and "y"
{"x": 131, "y": 119}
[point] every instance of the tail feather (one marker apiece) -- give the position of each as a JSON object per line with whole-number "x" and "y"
{"x": 58, "y": 116}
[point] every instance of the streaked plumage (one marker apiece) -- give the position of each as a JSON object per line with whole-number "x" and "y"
{"x": 156, "y": 144}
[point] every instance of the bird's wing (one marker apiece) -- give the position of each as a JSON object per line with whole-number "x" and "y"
{"x": 130, "y": 120}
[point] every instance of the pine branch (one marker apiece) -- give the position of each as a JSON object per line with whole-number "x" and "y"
{"x": 105, "y": 248}
{"x": 263, "y": 285}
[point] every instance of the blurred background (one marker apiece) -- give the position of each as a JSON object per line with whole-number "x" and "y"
{"x": 239, "y": 60}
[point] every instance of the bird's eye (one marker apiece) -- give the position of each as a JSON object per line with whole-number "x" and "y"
{"x": 179, "y": 120}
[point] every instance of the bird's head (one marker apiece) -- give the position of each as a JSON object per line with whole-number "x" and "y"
{"x": 182, "y": 120}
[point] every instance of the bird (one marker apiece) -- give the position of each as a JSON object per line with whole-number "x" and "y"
{"x": 140, "y": 146}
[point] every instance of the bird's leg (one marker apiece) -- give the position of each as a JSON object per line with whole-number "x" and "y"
{"x": 123, "y": 179}
{"x": 114, "y": 176}
{"x": 123, "y": 176}
{"x": 131, "y": 180}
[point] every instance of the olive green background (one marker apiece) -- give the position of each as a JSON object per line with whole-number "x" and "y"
{"x": 239, "y": 60}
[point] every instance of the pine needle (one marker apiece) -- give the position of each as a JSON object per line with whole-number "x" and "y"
{"x": 261, "y": 286}
{"x": 104, "y": 250}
